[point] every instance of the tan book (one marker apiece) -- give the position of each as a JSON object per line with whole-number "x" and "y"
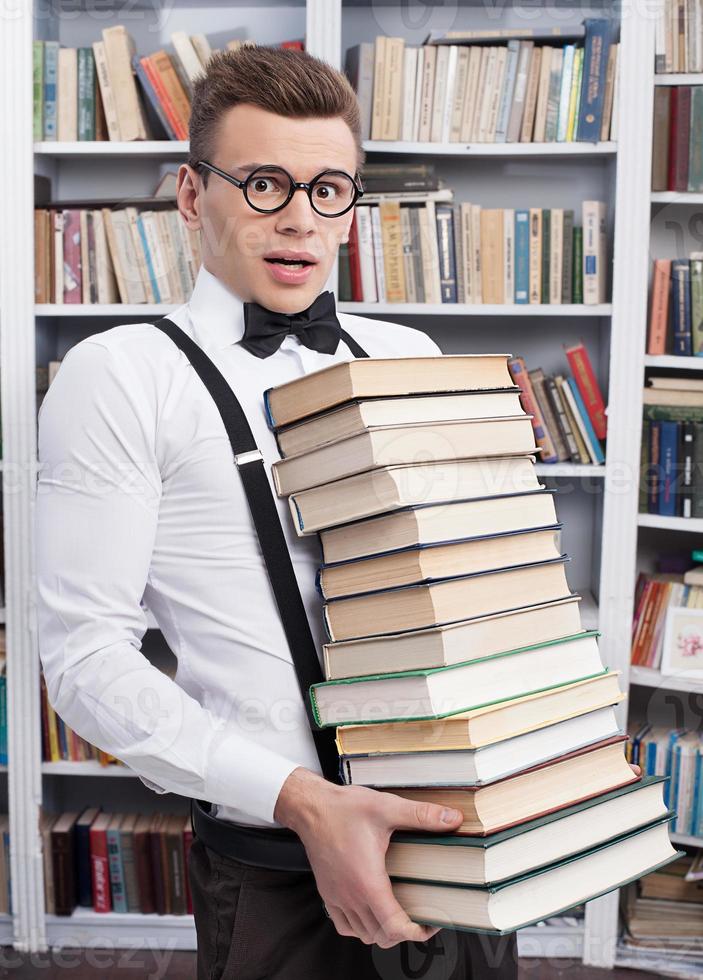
{"x": 378, "y": 87}
{"x": 487, "y": 809}
{"x": 427, "y": 99}
{"x": 42, "y": 269}
{"x": 392, "y": 487}
{"x": 492, "y": 258}
{"x": 517, "y": 107}
{"x": 370, "y": 377}
{"x": 106, "y": 283}
{"x": 556, "y": 254}
{"x": 609, "y": 91}
{"x": 175, "y": 288}
{"x": 161, "y": 63}
{"x": 390, "y": 445}
{"x": 107, "y": 97}
{"x": 187, "y": 54}
{"x": 392, "y": 250}
{"x": 119, "y": 49}
{"x": 533, "y": 77}
{"x": 538, "y": 134}
{"x": 481, "y": 90}
{"x": 356, "y": 416}
{"x": 123, "y": 256}
{"x": 393, "y": 88}
{"x": 445, "y": 559}
{"x": 471, "y": 94}
{"x": 57, "y": 254}
{"x": 444, "y": 601}
{"x": 484, "y": 726}
{"x": 594, "y": 251}
{"x": 418, "y": 526}
{"x": 46, "y": 822}
{"x": 672, "y": 396}
{"x": 439, "y": 95}
{"x": 495, "y": 93}
{"x": 429, "y": 252}
{"x": 459, "y": 94}
{"x": 535, "y": 255}
{"x": 67, "y": 123}
{"x": 140, "y": 253}
{"x": 157, "y": 254}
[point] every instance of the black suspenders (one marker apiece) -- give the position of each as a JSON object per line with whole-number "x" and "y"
{"x": 262, "y": 505}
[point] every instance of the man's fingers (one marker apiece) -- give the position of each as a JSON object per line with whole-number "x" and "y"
{"x": 410, "y": 815}
{"x": 340, "y": 921}
{"x": 394, "y": 921}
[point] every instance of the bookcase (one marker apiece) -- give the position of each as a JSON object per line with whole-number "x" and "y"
{"x": 597, "y": 504}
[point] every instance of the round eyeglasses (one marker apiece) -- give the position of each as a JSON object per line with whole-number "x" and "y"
{"x": 269, "y": 188}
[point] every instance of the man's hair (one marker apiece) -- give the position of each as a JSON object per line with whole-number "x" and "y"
{"x": 286, "y": 81}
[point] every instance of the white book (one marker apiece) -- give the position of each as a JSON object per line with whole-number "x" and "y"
{"x": 556, "y": 254}
{"x": 496, "y": 93}
{"x": 378, "y": 254}
{"x": 509, "y": 255}
{"x": 462, "y": 70}
{"x": 567, "y": 72}
{"x": 518, "y": 101}
{"x": 406, "y": 231}
{"x": 409, "y": 72}
{"x": 67, "y": 88}
{"x": 506, "y": 98}
{"x": 104, "y": 273}
{"x": 440, "y": 93}
{"x": 486, "y": 94}
{"x": 202, "y": 48}
{"x": 480, "y": 95}
{"x": 430, "y": 253}
{"x": 364, "y": 234}
{"x": 594, "y": 252}
{"x": 565, "y": 388}
{"x": 157, "y": 254}
{"x": 183, "y": 45}
{"x": 470, "y": 94}
{"x": 417, "y": 104}
{"x": 545, "y": 75}
{"x": 58, "y": 255}
{"x": 426, "y": 101}
{"x": 467, "y": 256}
{"x": 449, "y": 93}
{"x": 476, "y": 241}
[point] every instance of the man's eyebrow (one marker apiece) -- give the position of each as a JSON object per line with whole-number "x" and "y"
{"x": 253, "y": 166}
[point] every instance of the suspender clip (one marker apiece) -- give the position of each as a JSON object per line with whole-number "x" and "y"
{"x": 249, "y": 457}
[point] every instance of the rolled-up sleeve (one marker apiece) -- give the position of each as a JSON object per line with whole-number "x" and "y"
{"x": 97, "y": 508}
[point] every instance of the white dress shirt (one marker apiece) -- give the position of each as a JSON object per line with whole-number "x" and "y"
{"x": 138, "y": 498}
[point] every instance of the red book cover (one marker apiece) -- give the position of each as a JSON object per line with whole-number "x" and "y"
{"x": 659, "y": 313}
{"x": 72, "y": 286}
{"x": 164, "y": 98}
{"x": 582, "y": 370}
{"x": 99, "y": 867}
{"x": 679, "y": 137}
{"x": 142, "y": 863}
{"x": 295, "y": 45}
{"x": 354, "y": 263}
{"x": 518, "y": 372}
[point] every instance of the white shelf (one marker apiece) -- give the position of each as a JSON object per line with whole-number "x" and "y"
{"x": 492, "y": 149}
{"x": 478, "y": 309}
{"x": 693, "y": 524}
{"x": 686, "y": 840}
{"x": 673, "y": 361}
{"x": 104, "y": 309}
{"x": 674, "y": 197}
{"x": 121, "y": 929}
{"x": 165, "y": 149}
{"x": 679, "y": 78}
{"x": 88, "y": 767}
{"x": 574, "y": 470}
{"x": 649, "y": 677}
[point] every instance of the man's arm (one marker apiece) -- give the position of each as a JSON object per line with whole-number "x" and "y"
{"x": 97, "y": 506}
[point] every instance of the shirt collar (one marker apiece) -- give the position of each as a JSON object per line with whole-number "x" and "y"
{"x": 216, "y": 313}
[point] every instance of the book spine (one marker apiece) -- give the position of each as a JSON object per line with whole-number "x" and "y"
{"x": 697, "y": 468}
{"x": 562, "y": 419}
{"x": 522, "y": 256}
{"x": 593, "y": 252}
{"x": 508, "y": 90}
{"x": 51, "y": 75}
{"x": 447, "y": 258}
{"x": 86, "y": 94}
{"x": 577, "y": 283}
{"x": 565, "y": 92}
{"x": 659, "y": 313}
{"x": 596, "y": 50}
{"x": 63, "y": 860}
{"x": 38, "y": 91}
{"x": 100, "y": 871}
{"x": 509, "y": 255}
{"x": 535, "y": 254}
{"x": 119, "y": 897}
{"x": 518, "y": 372}
{"x": 681, "y": 306}
{"x": 551, "y": 426}
{"x": 594, "y": 446}
{"x": 696, "y": 277}
{"x": 654, "y": 469}
{"x": 668, "y": 455}
{"x": 687, "y": 431}
{"x": 575, "y": 97}
{"x": 644, "y": 468}
{"x": 151, "y": 96}
{"x": 567, "y": 262}
{"x": 673, "y": 413}
{"x": 545, "y": 257}
{"x": 583, "y": 372}
{"x": 679, "y": 138}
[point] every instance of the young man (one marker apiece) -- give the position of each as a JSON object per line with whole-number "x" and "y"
{"x": 138, "y": 497}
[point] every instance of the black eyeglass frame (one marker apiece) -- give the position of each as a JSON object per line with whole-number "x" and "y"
{"x": 307, "y": 186}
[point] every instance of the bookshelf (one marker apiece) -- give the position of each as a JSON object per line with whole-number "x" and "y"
{"x": 598, "y": 505}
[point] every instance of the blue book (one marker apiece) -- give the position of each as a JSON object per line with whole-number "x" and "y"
{"x": 51, "y": 75}
{"x": 152, "y": 102}
{"x": 697, "y": 823}
{"x": 506, "y": 99}
{"x": 522, "y": 256}
{"x": 668, "y": 457}
{"x": 444, "y": 220}
{"x": 82, "y": 856}
{"x": 674, "y": 736}
{"x": 114, "y": 856}
{"x": 681, "y": 306}
{"x": 149, "y": 263}
{"x": 3, "y": 720}
{"x": 593, "y": 439}
{"x": 595, "y": 62}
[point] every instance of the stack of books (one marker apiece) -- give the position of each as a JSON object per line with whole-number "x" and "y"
{"x": 458, "y": 671}
{"x": 676, "y": 308}
{"x": 679, "y": 36}
{"x": 677, "y": 161}
{"x": 678, "y": 754}
{"x": 489, "y": 86}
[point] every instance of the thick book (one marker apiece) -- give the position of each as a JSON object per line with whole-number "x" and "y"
{"x": 361, "y": 414}
{"x": 389, "y": 488}
{"x": 445, "y": 600}
{"x": 483, "y": 726}
{"x": 595, "y": 63}
{"x": 445, "y": 559}
{"x": 442, "y": 691}
{"x": 482, "y": 765}
{"x": 417, "y": 526}
{"x": 393, "y": 376}
{"x": 517, "y": 902}
{"x": 529, "y": 845}
{"x": 569, "y": 779}
{"x": 387, "y": 445}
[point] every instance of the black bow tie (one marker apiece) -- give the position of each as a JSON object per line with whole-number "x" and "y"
{"x": 317, "y": 327}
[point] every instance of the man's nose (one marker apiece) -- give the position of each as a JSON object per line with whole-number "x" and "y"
{"x": 298, "y": 215}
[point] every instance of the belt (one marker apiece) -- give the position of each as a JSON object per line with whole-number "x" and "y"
{"x": 277, "y": 848}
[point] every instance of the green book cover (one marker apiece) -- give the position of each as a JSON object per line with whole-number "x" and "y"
{"x": 577, "y": 282}
{"x": 86, "y": 94}
{"x": 532, "y": 874}
{"x": 695, "y": 151}
{"x": 644, "y": 453}
{"x": 344, "y": 289}
{"x": 490, "y": 840}
{"x": 567, "y": 264}
{"x": 673, "y": 413}
{"x": 426, "y": 672}
{"x": 38, "y": 90}
{"x": 546, "y": 251}
{"x": 696, "y": 282}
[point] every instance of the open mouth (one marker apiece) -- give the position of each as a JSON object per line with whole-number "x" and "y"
{"x": 299, "y": 264}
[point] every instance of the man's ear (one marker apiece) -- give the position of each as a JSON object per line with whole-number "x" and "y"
{"x": 188, "y": 190}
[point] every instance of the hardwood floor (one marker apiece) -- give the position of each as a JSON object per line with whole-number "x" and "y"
{"x": 110, "y": 964}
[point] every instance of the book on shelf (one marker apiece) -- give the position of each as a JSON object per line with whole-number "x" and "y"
{"x": 459, "y": 252}
{"x": 679, "y": 37}
{"x": 677, "y": 157}
{"x": 107, "y": 91}
{"x": 123, "y": 862}
{"x": 488, "y": 86}
{"x": 676, "y": 306}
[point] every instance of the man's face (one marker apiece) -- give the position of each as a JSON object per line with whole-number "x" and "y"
{"x": 235, "y": 238}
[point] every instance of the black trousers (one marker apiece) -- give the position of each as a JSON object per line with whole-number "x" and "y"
{"x": 258, "y": 924}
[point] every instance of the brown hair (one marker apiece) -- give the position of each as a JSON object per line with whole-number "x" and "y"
{"x": 286, "y": 81}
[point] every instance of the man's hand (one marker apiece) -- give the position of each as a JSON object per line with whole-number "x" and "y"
{"x": 346, "y": 831}
{"x": 636, "y": 769}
